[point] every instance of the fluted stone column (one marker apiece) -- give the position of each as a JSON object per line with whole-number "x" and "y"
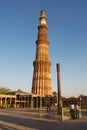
{"x": 41, "y": 83}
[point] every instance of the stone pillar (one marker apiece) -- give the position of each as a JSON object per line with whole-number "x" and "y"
{"x": 10, "y": 101}
{"x": 80, "y": 114}
{"x": 31, "y": 102}
{"x": 37, "y": 102}
{"x": 59, "y": 90}
{"x": 27, "y": 102}
{"x": 5, "y": 102}
{"x": 1, "y": 102}
{"x": 14, "y": 102}
{"x": 40, "y": 102}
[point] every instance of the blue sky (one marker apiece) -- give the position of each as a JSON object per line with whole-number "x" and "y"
{"x": 67, "y": 32}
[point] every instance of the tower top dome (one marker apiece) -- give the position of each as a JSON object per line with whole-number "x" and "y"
{"x": 43, "y": 17}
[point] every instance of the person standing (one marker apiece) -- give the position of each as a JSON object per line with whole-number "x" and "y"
{"x": 72, "y": 111}
{"x": 77, "y": 110}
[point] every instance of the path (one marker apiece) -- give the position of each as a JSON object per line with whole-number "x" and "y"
{"x": 28, "y": 119}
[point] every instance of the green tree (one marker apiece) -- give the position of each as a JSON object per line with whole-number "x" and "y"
{"x": 4, "y": 90}
{"x": 80, "y": 96}
{"x": 55, "y": 93}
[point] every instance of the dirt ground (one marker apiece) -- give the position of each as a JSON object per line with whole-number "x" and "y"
{"x": 36, "y": 119}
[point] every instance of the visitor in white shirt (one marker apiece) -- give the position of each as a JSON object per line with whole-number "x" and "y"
{"x": 72, "y": 111}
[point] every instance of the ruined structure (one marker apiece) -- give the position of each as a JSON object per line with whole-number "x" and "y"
{"x": 41, "y": 83}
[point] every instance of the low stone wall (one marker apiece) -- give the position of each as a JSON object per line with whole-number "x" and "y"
{"x": 66, "y": 114}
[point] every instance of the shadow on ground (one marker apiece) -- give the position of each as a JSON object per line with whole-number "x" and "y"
{"x": 20, "y": 122}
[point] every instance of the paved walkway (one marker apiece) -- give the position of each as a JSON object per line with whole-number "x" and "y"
{"x": 33, "y": 119}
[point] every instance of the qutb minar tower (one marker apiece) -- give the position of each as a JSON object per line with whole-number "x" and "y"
{"x": 41, "y": 83}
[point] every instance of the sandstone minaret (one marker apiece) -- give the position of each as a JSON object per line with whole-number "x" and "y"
{"x": 41, "y": 83}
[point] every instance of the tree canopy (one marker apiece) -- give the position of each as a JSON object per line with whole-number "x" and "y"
{"x": 4, "y": 90}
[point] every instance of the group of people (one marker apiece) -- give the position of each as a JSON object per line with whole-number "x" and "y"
{"x": 74, "y": 111}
